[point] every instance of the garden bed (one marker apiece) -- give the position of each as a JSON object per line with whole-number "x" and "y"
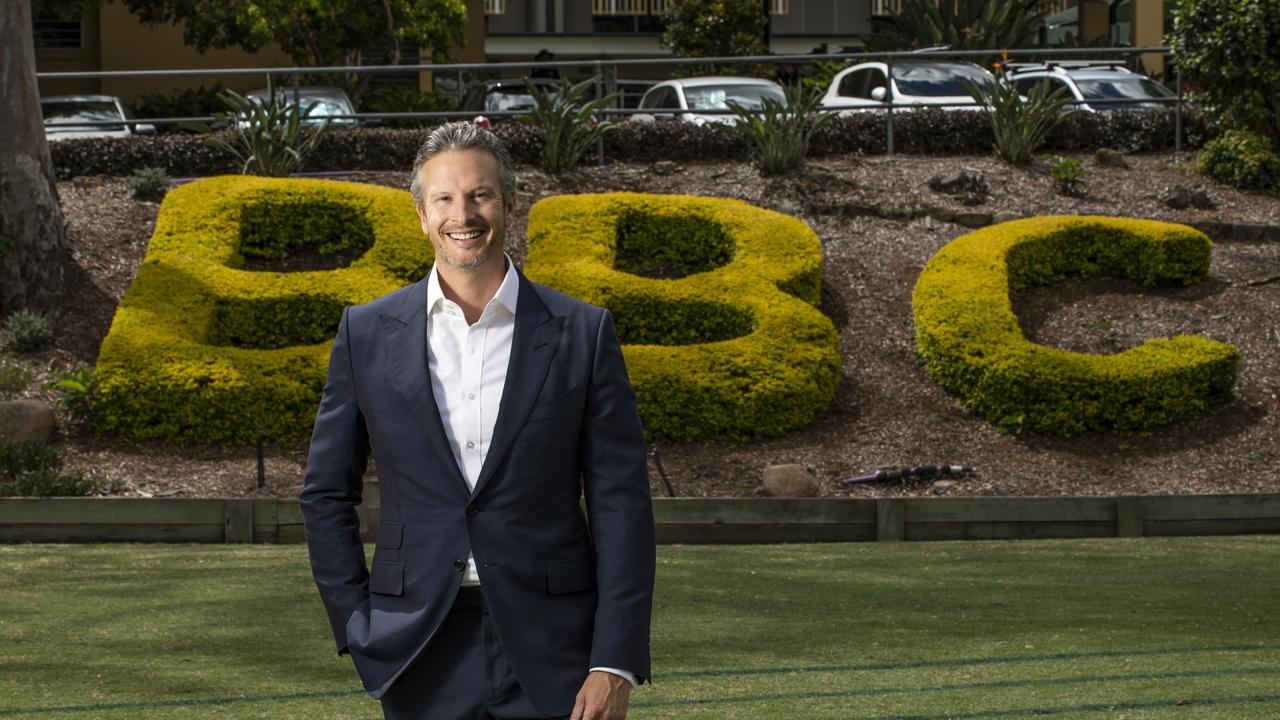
{"x": 879, "y": 223}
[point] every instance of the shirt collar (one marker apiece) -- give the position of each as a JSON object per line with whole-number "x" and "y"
{"x": 507, "y": 296}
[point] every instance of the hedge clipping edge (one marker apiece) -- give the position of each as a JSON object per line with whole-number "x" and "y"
{"x": 970, "y": 341}
{"x": 766, "y": 362}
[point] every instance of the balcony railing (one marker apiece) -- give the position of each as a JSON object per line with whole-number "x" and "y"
{"x": 621, "y": 7}
{"x": 779, "y": 7}
{"x": 881, "y": 8}
{"x": 495, "y": 7}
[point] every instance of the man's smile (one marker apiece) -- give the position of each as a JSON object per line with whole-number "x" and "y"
{"x": 464, "y": 236}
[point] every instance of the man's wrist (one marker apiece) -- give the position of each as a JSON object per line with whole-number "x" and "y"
{"x": 625, "y": 675}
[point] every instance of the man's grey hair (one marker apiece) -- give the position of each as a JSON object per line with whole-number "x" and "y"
{"x": 463, "y": 136}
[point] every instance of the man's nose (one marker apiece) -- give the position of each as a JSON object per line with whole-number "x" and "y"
{"x": 462, "y": 211}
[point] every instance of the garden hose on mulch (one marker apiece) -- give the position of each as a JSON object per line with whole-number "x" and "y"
{"x": 924, "y": 472}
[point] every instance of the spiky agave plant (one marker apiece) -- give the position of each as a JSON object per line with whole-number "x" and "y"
{"x": 961, "y": 25}
{"x": 1019, "y": 124}
{"x": 779, "y": 132}
{"x": 568, "y": 126}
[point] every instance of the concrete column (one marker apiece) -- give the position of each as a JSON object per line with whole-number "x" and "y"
{"x": 1094, "y": 20}
{"x": 1147, "y": 28}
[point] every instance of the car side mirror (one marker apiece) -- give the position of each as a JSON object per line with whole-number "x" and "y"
{"x": 879, "y": 94}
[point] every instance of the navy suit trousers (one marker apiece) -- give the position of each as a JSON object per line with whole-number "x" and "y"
{"x": 462, "y": 675}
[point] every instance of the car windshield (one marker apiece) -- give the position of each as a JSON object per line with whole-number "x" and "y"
{"x": 512, "y": 99}
{"x": 324, "y": 108}
{"x": 716, "y": 97}
{"x": 1123, "y": 89}
{"x": 68, "y": 111}
{"x": 937, "y": 79}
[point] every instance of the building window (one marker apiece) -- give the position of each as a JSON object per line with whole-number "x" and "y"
{"x": 628, "y": 16}
{"x": 619, "y": 7}
{"x": 52, "y": 32}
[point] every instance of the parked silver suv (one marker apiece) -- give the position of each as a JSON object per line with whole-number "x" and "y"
{"x": 1096, "y": 87}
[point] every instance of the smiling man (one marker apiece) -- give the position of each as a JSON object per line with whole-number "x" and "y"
{"x": 492, "y": 406}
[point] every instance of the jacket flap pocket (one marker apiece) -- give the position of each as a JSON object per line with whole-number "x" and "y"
{"x": 566, "y": 576}
{"x": 390, "y": 535}
{"x": 386, "y": 577}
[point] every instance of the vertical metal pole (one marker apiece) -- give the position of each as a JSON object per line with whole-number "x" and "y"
{"x": 599, "y": 117}
{"x": 297, "y": 92}
{"x": 459, "y": 91}
{"x": 888, "y": 93}
{"x": 1177, "y": 118}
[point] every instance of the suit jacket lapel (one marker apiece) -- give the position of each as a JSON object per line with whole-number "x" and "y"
{"x": 532, "y": 347}
{"x": 406, "y": 330}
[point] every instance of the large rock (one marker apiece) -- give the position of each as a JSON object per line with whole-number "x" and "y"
{"x": 789, "y": 481}
{"x": 24, "y": 420}
{"x": 966, "y": 185}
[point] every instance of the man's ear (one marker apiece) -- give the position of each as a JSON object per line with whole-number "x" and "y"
{"x": 509, "y": 204}
{"x": 422, "y": 215}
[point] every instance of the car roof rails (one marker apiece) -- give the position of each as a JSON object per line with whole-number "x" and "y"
{"x": 1067, "y": 65}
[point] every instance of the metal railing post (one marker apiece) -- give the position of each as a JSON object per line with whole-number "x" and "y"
{"x": 888, "y": 122}
{"x": 1177, "y": 117}
{"x": 599, "y": 118}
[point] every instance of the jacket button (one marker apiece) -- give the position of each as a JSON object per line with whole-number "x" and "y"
{"x": 459, "y": 565}
{"x": 472, "y": 510}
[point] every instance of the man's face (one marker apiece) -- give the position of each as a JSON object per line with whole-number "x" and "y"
{"x": 463, "y": 210}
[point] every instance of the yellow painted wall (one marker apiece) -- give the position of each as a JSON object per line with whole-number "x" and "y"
{"x": 1095, "y": 20}
{"x": 1148, "y": 31}
{"x": 127, "y": 44}
{"x": 84, "y": 59}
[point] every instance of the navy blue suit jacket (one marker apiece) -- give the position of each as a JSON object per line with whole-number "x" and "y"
{"x": 565, "y": 594}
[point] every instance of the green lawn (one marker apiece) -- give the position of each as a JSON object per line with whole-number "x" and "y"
{"x": 1062, "y": 629}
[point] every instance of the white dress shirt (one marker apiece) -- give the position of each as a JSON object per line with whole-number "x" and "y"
{"x": 468, "y": 367}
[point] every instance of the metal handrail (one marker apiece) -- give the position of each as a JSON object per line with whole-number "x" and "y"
{"x": 611, "y": 67}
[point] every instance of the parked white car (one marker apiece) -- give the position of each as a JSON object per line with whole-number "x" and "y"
{"x": 1106, "y": 86}
{"x": 62, "y": 111}
{"x": 915, "y": 83}
{"x": 318, "y": 102}
{"x": 690, "y": 99}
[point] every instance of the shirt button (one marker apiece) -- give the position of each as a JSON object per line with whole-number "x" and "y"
{"x": 471, "y": 445}
{"x": 459, "y": 565}
{"x": 471, "y": 396}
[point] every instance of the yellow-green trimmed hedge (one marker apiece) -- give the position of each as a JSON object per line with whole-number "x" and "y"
{"x": 203, "y": 351}
{"x": 971, "y": 343}
{"x": 735, "y": 348}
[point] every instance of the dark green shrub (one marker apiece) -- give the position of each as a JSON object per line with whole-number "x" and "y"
{"x": 1019, "y": 126}
{"x": 1229, "y": 53}
{"x": 14, "y": 378}
{"x": 960, "y": 25}
{"x": 266, "y": 138}
{"x": 1243, "y": 159}
{"x": 79, "y": 392}
{"x": 778, "y": 134}
{"x": 190, "y": 102}
{"x": 405, "y": 98}
{"x": 34, "y": 469}
{"x": 26, "y": 331}
{"x": 567, "y": 125}
{"x": 149, "y": 183}
{"x": 716, "y": 28}
{"x": 1068, "y": 174}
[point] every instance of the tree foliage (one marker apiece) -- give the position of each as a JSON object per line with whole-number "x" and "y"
{"x": 962, "y": 25}
{"x": 716, "y": 28}
{"x": 1229, "y": 53}
{"x": 313, "y": 32}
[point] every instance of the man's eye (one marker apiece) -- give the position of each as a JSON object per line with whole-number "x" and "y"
{"x": 482, "y": 195}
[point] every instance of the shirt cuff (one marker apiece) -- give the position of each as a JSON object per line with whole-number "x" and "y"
{"x": 629, "y": 677}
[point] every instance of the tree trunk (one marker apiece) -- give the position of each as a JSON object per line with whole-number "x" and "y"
{"x": 34, "y": 254}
